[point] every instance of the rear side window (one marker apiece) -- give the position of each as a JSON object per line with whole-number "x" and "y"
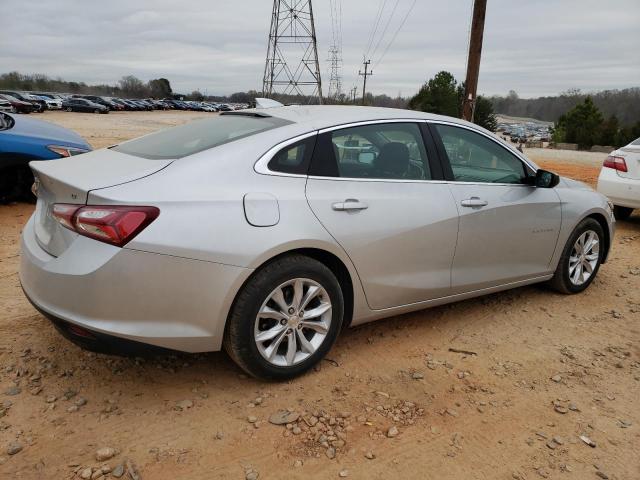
{"x": 194, "y": 137}
{"x": 386, "y": 151}
{"x": 294, "y": 158}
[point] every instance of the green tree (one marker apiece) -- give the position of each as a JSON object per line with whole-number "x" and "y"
{"x": 484, "y": 115}
{"x": 608, "y": 131}
{"x": 197, "y": 96}
{"x": 581, "y": 124}
{"x": 439, "y": 95}
{"x": 160, "y": 88}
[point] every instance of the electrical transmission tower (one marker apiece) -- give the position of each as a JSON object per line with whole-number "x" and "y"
{"x": 335, "y": 81}
{"x": 292, "y": 42}
{"x": 335, "y": 50}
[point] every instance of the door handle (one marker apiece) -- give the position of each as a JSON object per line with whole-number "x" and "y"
{"x": 349, "y": 204}
{"x": 474, "y": 202}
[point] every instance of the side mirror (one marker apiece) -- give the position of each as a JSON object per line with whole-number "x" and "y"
{"x": 546, "y": 179}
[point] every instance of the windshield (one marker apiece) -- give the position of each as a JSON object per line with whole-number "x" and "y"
{"x": 6, "y": 121}
{"x": 178, "y": 142}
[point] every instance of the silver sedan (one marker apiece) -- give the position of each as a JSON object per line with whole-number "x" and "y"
{"x": 268, "y": 231}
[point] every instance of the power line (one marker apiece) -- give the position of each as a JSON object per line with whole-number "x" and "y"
{"x": 386, "y": 27}
{"x": 374, "y": 30}
{"x": 397, "y": 31}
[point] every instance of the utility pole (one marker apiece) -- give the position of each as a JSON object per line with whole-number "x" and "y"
{"x": 354, "y": 93}
{"x": 473, "y": 62}
{"x": 365, "y": 75}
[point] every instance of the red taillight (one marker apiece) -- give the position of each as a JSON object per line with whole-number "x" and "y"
{"x": 116, "y": 225}
{"x": 617, "y": 163}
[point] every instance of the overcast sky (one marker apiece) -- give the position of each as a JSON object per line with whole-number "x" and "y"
{"x": 537, "y": 47}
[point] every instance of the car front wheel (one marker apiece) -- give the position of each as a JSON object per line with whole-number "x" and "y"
{"x": 581, "y": 258}
{"x": 285, "y": 319}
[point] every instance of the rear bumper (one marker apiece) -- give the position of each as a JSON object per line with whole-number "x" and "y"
{"x": 624, "y": 192}
{"x": 161, "y": 300}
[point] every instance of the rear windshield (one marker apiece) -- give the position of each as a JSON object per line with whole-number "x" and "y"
{"x": 636, "y": 142}
{"x": 194, "y": 137}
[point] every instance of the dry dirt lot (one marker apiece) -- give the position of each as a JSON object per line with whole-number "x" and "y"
{"x": 547, "y": 369}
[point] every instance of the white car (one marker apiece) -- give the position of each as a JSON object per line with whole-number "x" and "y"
{"x": 52, "y": 103}
{"x": 620, "y": 179}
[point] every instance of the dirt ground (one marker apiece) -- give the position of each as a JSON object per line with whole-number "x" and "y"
{"x": 547, "y": 369}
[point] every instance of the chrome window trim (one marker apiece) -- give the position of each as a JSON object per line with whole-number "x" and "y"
{"x": 261, "y": 165}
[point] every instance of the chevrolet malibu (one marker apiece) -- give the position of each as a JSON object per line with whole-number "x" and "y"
{"x": 266, "y": 232}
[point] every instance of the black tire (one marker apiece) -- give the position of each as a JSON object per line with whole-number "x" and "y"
{"x": 622, "y": 213}
{"x": 69, "y": 109}
{"x": 561, "y": 281}
{"x": 239, "y": 339}
{"x": 96, "y": 110}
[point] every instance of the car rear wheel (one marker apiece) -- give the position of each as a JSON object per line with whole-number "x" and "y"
{"x": 69, "y": 109}
{"x": 285, "y": 319}
{"x": 581, "y": 258}
{"x": 622, "y": 213}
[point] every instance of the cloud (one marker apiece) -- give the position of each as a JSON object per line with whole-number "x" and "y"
{"x": 535, "y": 48}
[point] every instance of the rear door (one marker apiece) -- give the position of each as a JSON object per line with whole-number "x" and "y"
{"x": 377, "y": 188}
{"x": 508, "y": 229}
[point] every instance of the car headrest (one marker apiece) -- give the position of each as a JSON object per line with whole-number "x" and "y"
{"x": 393, "y": 158}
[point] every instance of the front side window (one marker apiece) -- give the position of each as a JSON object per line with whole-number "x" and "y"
{"x": 476, "y": 158}
{"x": 393, "y": 151}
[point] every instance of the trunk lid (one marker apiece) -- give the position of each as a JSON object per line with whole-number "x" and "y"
{"x": 631, "y": 155}
{"x": 69, "y": 180}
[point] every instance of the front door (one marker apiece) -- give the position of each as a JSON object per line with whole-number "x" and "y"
{"x": 370, "y": 186}
{"x": 508, "y": 228}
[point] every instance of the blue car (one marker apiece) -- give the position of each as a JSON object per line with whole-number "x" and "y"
{"x": 22, "y": 140}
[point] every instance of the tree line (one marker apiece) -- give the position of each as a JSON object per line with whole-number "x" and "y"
{"x": 586, "y": 125}
{"x": 624, "y": 104}
{"x": 127, "y": 87}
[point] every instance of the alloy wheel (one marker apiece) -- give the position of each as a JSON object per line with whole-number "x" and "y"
{"x": 293, "y": 322}
{"x": 584, "y": 257}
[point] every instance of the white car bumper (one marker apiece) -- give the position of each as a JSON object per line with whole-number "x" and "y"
{"x": 623, "y": 192}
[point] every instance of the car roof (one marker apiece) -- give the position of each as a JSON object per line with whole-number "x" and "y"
{"x": 317, "y": 117}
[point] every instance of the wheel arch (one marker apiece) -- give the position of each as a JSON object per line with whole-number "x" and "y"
{"x": 330, "y": 260}
{"x": 602, "y": 221}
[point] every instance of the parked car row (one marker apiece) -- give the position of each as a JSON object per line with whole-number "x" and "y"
{"x": 27, "y": 102}
{"x": 524, "y": 132}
